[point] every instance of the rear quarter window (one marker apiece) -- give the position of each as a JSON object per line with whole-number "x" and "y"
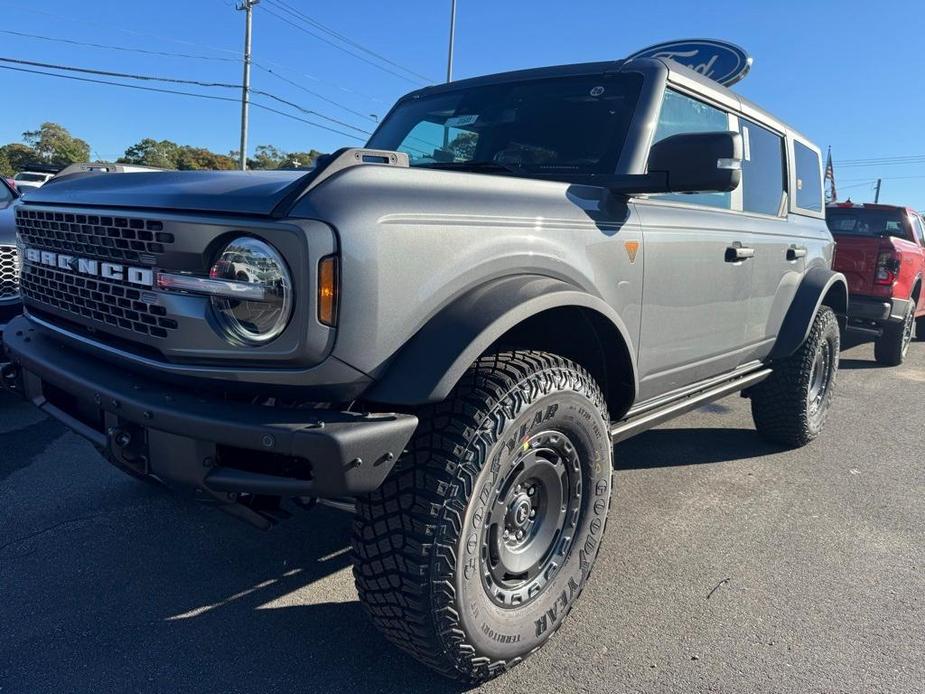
{"x": 809, "y": 178}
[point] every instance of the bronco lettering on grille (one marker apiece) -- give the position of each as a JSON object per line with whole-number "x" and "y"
{"x": 86, "y": 266}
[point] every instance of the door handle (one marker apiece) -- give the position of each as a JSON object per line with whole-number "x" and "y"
{"x": 795, "y": 253}
{"x": 737, "y": 253}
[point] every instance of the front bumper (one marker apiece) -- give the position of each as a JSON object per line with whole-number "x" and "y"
{"x": 210, "y": 446}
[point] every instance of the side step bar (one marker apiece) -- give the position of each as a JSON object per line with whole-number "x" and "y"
{"x": 631, "y": 426}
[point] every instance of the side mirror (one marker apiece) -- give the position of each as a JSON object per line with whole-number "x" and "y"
{"x": 698, "y": 162}
{"x": 686, "y": 163}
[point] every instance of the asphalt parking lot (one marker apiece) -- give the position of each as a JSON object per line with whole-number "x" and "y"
{"x": 729, "y": 566}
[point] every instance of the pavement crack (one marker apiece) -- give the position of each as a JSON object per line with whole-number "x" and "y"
{"x": 716, "y": 587}
{"x": 35, "y": 534}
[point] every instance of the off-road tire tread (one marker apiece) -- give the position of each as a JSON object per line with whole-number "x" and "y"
{"x": 778, "y": 403}
{"x": 404, "y": 534}
{"x": 888, "y": 348}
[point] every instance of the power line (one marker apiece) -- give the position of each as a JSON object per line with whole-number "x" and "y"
{"x": 190, "y": 56}
{"x": 882, "y": 161}
{"x": 127, "y": 49}
{"x": 341, "y": 37}
{"x": 181, "y": 93}
{"x": 359, "y": 114}
{"x": 177, "y": 80}
{"x": 128, "y": 31}
{"x": 883, "y": 158}
{"x": 338, "y": 47}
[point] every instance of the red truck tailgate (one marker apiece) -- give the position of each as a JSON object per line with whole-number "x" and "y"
{"x": 856, "y": 257}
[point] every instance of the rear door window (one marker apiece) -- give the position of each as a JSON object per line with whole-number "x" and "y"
{"x": 809, "y": 178}
{"x": 762, "y": 169}
{"x": 682, "y": 114}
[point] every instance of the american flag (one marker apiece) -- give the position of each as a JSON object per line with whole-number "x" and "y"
{"x": 830, "y": 195}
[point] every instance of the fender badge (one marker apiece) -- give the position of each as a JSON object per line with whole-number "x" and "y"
{"x": 632, "y": 247}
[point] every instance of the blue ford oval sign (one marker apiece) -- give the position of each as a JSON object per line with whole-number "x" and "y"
{"x": 721, "y": 61}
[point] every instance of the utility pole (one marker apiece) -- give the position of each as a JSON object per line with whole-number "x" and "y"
{"x": 449, "y": 61}
{"x": 877, "y": 193}
{"x": 248, "y": 7}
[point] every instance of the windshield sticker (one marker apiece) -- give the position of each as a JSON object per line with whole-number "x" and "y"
{"x": 456, "y": 121}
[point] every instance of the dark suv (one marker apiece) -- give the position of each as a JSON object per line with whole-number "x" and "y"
{"x": 450, "y": 326}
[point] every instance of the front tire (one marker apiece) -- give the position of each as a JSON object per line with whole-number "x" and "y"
{"x": 790, "y": 406}
{"x": 891, "y": 347}
{"x": 473, "y": 551}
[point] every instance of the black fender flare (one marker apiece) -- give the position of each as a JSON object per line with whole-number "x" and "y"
{"x": 430, "y": 364}
{"x": 817, "y": 284}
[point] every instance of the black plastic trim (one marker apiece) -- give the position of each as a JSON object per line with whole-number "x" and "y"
{"x": 437, "y": 356}
{"x": 817, "y": 284}
{"x": 348, "y": 453}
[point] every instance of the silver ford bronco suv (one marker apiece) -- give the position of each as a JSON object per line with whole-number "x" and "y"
{"x": 451, "y": 327}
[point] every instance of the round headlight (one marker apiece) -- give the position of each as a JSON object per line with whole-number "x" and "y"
{"x": 261, "y": 273}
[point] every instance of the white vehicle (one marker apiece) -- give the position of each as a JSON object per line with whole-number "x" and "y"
{"x": 31, "y": 179}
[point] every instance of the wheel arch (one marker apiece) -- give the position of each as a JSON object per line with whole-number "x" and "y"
{"x": 518, "y": 312}
{"x": 819, "y": 287}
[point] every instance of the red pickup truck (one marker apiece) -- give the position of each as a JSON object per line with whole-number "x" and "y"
{"x": 881, "y": 251}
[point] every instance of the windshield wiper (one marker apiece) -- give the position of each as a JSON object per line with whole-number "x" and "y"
{"x": 471, "y": 166}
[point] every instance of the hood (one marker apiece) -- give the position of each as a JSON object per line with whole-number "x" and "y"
{"x": 234, "y": 192}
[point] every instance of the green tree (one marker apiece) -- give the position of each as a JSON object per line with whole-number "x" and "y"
{"x": 300, "y": 160}
{"x": 149, "y": 152}
{"x": 195, "y": 158}
{"x": 463, "y": 146}
{"x": 266, "y": 157}
{"x": 15, "y": 157}
{"x": 53, "y": 144}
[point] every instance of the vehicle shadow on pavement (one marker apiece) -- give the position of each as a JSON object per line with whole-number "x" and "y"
{"x": 163, "y": 596}
{"x": 689, "y": 446}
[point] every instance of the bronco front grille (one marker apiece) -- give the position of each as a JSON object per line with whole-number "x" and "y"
{"x": 103, "y": 236}
{"x": 104, "y": 301}
{"x": 9, "y": 272}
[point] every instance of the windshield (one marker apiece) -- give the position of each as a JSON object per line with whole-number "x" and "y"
{"x": 29, "y": 177}
{"x": 859, "y": 221}
{"x": 560, "y": 125}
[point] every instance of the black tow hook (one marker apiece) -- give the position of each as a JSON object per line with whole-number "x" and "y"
{"x": 10, "y": 378}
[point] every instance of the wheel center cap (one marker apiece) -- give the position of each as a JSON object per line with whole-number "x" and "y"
{"x": 520, "y": 511}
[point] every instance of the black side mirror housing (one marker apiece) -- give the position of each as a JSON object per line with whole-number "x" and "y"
{"x": 688, "y": 163}
{"x": 699, "y": 162}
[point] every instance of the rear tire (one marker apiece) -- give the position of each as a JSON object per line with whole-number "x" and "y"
{"x": 891, "y": 348}
{"x": 920, "y": 329}
{"x": 473, "y": 551}
{"x": 790, "y": 406}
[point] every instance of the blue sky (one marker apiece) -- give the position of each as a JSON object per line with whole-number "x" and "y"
{"x": 848, "y": 74}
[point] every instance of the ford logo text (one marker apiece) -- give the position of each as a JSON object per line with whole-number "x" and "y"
{"x": 721, "y": 61}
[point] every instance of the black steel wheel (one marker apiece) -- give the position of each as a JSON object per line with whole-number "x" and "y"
{"x": 474, "y": 550}
{"x": 891, "y": 348}
{"x": 790, "y": 407}
{"x": 527, "y": 530}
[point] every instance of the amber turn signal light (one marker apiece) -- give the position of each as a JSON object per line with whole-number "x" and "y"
{"x": 327, "y": 290}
